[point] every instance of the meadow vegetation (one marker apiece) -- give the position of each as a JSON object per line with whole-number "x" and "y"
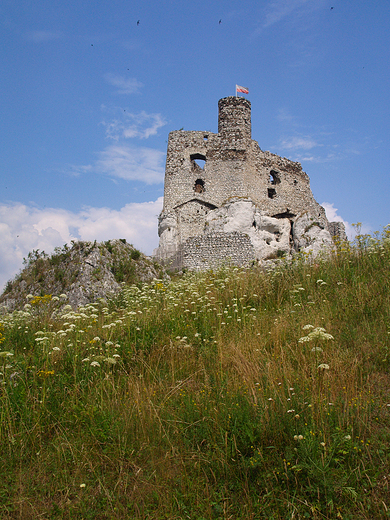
{"x": 230, "y": 394}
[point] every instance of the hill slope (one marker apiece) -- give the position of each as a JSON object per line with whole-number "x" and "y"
{"x": 85, "y": 272}
{"x": 233, "y": 394}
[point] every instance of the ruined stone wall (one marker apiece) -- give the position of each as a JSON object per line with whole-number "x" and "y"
{"x": 206, "y": 171}
{"x": 216, "y": 249}
{"x": 234, "y": 166}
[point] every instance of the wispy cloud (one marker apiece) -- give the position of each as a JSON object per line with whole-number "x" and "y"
{"x": 43, "y": 36}
{"x": 295, "y": 11}
{"x": 131, "y": 163}
{"x": 140, "y": 125}
{"x": 24, "y": 228}
{"x": 279, "y": 9}
{"x": 299, "y": 143}
{"x": 284, "y": 115}
{"x": 124, "y": 85}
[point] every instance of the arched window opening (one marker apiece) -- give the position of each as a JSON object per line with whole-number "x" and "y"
{"x": 198, "y": 161}
{"x": 199, "y": 186}
{"x": 205, "y": 137}
{"x": 274, "y": 177}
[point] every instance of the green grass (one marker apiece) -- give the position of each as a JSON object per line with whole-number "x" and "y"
{"x": 236, "y": 394}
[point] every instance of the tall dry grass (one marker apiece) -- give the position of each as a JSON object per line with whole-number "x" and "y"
{"x": 229, "y": 394}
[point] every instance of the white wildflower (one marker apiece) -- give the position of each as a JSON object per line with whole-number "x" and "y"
{"x": 308, "y": 327}
{"x": 323, "y": 367}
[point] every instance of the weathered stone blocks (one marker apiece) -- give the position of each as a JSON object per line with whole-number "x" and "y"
{"x": 223, "y": 187}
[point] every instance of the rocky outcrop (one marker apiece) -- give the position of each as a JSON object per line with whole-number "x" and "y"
{"x": 85, "y": 272}
{"x": 240, "y": 233}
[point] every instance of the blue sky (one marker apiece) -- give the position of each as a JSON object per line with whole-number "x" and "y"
{"x": 88, "y": 97}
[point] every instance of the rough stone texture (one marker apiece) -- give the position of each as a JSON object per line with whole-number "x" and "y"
{"x": 310, "y": 236}
{"x": 213, "y": 249}
{"x": 85, "y": 272}
{"x": 224, "y": 183}
{"x": 337, "y": 230}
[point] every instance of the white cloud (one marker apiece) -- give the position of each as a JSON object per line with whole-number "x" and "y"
{"x": 25, "y": 228}
{"x": 124, "y": 85}
{"x": 126, "y": 162}
{"x": 299, "y": 143}
{"x": 332, "y": 216}
{"x": 140, "y": 125}
{"x": 131, "y": 163}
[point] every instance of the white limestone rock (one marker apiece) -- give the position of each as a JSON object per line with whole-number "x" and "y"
{"x": 310, "y": 236}
{"x": 270, "y": 236}
{"x": 169, "y": 237}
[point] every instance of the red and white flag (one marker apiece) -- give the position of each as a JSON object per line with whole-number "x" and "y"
{"x": 243, "y": 90}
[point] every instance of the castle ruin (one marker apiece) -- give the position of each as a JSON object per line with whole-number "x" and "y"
{"x": 225, "y": 200}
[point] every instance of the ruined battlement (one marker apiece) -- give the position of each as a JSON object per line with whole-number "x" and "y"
{"x": 211, "y": 178}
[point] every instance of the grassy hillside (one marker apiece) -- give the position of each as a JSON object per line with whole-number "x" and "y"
{"x": 236, "y": 394}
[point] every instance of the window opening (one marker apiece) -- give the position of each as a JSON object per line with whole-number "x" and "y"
{"x": 271, "y": 193}
{"x": 274, "y": 177}
{"x": 205, "y": 137}
{"x": 198, "y": 161}
{"x": 199, "y": 186}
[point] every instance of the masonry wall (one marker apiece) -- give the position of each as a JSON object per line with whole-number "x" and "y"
{"x": 234, "y": 166}
{"x": 216, "y": 249}
{"x": 204, "y": 171}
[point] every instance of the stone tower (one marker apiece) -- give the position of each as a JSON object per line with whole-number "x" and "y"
{"x": 234, "y": 122}
{"x": 227, "y": 200}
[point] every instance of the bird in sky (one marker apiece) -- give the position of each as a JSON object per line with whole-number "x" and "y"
{"x": 331, "y": 8}
{"x": 220, "y": 21}
{"x": 138, "y": 22}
